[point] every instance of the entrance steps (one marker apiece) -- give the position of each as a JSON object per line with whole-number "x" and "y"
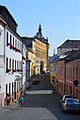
{"x": 38, "y": 92}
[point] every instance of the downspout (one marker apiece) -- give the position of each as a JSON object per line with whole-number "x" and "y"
{"x": 64, "y": 77}
{"x": 22, "y": 69}
{"x": 4, "y": 57}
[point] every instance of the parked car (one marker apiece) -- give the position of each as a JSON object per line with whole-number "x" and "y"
{"x": 64, "y": 98}
{"x": 71, "y": 104}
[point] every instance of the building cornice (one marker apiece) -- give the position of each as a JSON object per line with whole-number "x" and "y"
{"x": 2, "y": 21}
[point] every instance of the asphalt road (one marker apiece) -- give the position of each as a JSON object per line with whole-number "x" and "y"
{"x": 40, "y": 106}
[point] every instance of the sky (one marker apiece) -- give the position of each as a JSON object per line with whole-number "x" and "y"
{"x": 60, "y": 19}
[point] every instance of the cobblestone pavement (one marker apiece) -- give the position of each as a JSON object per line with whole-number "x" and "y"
{"x": 39, "y": 106}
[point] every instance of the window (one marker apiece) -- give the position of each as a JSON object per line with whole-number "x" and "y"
{"x": 10, "y": 39}
{"x": 10, "y": 63}
{"x": 70, "y": 89}
{"x": 12, "y": 88}
{"x": 70, "y": 72}
{"x": 15, "y": 64}
{"x": 7, "y": 38}
{"x": 6, "y": 89}
{"x": 6, "y": 64}
{"x": 17, "y": 87}
{"x": 13, "y": 41}
{"x": 9, "y": 88}
{"x": 18, "y": 44}
{"x": 77, "y": 72}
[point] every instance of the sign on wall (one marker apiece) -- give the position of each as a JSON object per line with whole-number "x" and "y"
{"x": 76, "y": 83}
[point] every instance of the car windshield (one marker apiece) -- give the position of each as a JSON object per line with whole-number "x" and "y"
{"x": 72, "y": 101}
{"x": 68, "y": 96}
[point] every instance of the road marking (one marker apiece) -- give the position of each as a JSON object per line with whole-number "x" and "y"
{"x": 39, "y": 92}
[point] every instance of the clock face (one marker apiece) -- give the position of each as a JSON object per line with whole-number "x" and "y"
{"x": 38, "y": 35}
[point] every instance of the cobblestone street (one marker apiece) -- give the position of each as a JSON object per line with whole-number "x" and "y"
{"x": 39, "y": 105}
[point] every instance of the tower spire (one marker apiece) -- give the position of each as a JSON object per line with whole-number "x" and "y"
{"x": 39, "y": 33}
{"x": 40, "y": 29}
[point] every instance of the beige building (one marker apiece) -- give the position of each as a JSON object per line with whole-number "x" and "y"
{"x": 41, "y": 52}
{"x": 31, "y": 57}
{"x": 41, "y": 56}
{"x": 40, "y": 46}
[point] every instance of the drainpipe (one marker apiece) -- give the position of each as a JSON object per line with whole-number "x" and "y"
{"x": 22, "y": 69}
{"x": 5, "y": 28}
{"x": 64, "y": 77}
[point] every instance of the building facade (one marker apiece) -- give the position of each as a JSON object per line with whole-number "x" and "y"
{"x": 11, "y": 58}
{"x": 31, "y": 57}
{"x": 41, "y": 52}
{"x": 41, "y": 56}
{"x": 68, "y": 45}
{"x": 40, "y": 46}
{"x": 30, "y": 46}
{"x": 68, "y": 74}
{"x": 53, "y": 69}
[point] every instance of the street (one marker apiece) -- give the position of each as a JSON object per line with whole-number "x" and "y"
{"x": 39, "y": 105}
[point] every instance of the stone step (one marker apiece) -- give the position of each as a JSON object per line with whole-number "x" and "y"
{"x": 35, "y": 92}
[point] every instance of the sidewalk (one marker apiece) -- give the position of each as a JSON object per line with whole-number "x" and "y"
{"x": 3, "y": 110}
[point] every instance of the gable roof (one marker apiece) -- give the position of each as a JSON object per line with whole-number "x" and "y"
{"x": 70, "y": 44}
{"x": 28, "y": 41}
{"x": 54, "y": 58}
{"x": 73, "y": 55}
{"x": 4, "y": 9}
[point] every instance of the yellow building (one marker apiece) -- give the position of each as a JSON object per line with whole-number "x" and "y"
{"x": 31, "y": 56}
{"x": 41, "y": 52}
{"x": 30, "y": 45}
{"x": 41, "y": 56}
{"x": 38, "y": 52}
{"x": 53, "y": 68}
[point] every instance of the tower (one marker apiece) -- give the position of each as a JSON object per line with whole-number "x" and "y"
{"x": 39, "y": 33}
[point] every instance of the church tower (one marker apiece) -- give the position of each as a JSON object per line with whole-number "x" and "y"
{"x": 39, "y": 33}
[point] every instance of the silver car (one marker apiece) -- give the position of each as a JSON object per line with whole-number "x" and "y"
{"x": 71, "y": 104}
{"x": 64, "y": 98}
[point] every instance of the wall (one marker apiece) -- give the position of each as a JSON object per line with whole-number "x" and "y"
{"x": 41, "y": 54}
{"x": 60, "y": 77}
{"x": 70, "y": 88}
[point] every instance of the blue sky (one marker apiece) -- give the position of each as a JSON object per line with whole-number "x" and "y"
{"x": 60, "y": 19}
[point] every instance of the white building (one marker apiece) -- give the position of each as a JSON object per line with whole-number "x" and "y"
{"x": 24, "y": 68}
{"x": 12, "y": 58}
